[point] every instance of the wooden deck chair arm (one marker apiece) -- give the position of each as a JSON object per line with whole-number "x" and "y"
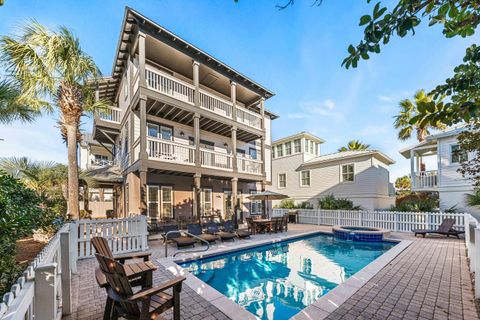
{"x": 145, "y": 255}
{"x": 144, "y": 294}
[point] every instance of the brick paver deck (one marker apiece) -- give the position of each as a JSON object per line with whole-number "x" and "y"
{"x": 428, "y": 280}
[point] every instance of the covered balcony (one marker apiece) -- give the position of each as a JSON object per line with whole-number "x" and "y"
{"x": 423, "y": 166}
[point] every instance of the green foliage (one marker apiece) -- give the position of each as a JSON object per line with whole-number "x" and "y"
{"x": 469, "y": 141}
{"x": 290, "y": 204}
{"x": 458, "y": 17}
{"x": 20, "y": 213}
{"x": 416, "y": 203}
{"x": 403, "y": 183}
{"x": 354, "y": 145}
{"x": 331, "y": 203}
{"x": 12, "y": 108}
{"x": 413, "y": 116}
{"x": 473, "y": 199}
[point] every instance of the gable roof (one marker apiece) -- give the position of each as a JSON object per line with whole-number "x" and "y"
{"x": 345, "y": 155}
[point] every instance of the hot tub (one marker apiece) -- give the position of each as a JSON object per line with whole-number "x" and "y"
{"x": 360, "y": 233}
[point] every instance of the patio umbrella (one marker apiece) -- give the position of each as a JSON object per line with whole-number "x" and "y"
{"x": 267, "y": 196}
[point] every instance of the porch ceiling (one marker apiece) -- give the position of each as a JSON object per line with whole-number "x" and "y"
{"x": 176, "y": 114}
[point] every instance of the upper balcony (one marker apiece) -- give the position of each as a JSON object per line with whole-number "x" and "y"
{"x": 425, "y": 181}
{"x": 423, "y": 156}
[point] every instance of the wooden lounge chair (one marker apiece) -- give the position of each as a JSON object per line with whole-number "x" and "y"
{"x": 446, "y": 228}
{"x": 145, "y": 304}
{"x": 176, "y": 237}
{"x": 212, "y": 228}
{"x": 101, "y": 246}
{"x": 196, "y": 229}
{"x": 241, "y": 234}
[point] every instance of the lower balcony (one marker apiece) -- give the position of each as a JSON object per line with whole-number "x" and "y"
{"x": 425, "y": 180}
{"x": 174, "y": 152}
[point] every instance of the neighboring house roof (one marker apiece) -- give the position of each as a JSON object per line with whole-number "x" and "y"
{"x": 299, "y": 135}
{"x": 332, "y": 157}
{"x": 431, "y": 140}
{"x": 87, "y": 139}
{"x": 107, "y": 174}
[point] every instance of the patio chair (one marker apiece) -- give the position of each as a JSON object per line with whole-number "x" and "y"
{"x": 176, "y": 237}
{"x": 101, "y": 246}
{"x": 212, "y": 228}
{"x": 196, "y": 229}
{"x": 285, "y": 223}
{"x": 229, "y": 227}
{"x": 145, "y": 304}
{"x": 446, "y": 228}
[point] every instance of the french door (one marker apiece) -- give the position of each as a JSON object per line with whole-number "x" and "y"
{"x": 160, "y": 202}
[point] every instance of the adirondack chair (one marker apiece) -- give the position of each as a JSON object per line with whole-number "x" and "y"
{"x": 446, "y": 228}
{"x": 145, "y": 304}
{"x": 101, "y": 246}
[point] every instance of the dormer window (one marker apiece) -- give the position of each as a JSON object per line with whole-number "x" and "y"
{"x": 280, "y": 150}
{"x": 297, "y": 145}
{"x": 288, "y": 148}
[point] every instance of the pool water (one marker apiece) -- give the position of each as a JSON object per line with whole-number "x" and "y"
{"x": 279, "y": 280}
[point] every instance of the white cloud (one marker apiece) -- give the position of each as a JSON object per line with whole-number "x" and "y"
{"x": 324, "y": 108}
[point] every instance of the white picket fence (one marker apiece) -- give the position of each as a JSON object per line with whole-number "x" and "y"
{"x": 39, "y": 295}
{"x": 392, "y": 220}
{"x": 472, "y": 234}
{"x": 123, "y": 235}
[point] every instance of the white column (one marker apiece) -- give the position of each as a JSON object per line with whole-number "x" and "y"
{"x": 233, "y": 95}
{"x": 66, "y": 273}
{"x": 141, "y": 58}
{"x": 476, "y": 268}
{"x": 46, "y": 292}
{"x": 196, "y": 83}
{"x": 412, "y": 168}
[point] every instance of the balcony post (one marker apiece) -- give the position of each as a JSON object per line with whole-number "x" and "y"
{"x": 234, "y": 201}
{"x": 234, "y": 149}
{"x": 262, "y": 138}
{"x": 262, "y": 113}
{"x": 412, "y": 169}
{"x": 143, "y": 191}
{"x": 233, "y": 95}
{"x": 197, "y": 198}
{"x": 143, "y": 129}
{"x": 141, "y": 58}
{"x": 196, "y": 130}
{"x": 196, "y": 83}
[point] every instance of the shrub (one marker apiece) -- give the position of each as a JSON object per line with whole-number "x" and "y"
{"x": 287, "y": 204}
{"x": 331, "y": 203}
{"x": 416, "y": 203}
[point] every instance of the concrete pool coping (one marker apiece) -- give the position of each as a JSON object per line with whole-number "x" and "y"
{"x": 320, "y": 309}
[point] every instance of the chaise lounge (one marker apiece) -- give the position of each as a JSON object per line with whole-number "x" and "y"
{"x": 446, "y": 228}
{"x": 196, "y": 229}
{"x": 176, "y": 237}
{"x": 212, "y": 228}
{"x": 229, "y": 227}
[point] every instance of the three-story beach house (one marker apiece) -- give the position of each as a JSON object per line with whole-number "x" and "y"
{"x": 189, "y": 134}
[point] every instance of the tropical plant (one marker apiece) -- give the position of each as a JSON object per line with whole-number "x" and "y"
{"x": 354, "y": 145}
{"x": 416, "y": 202}
{"x": 287, "y": 204}
{"x": 51, "y": 65}
{"x": 473, "y": 199}
{"x": 403, "y": 183}
{"x": 413, "y": 117}
{"x": 12, "y": 108}
{"x": 331, "y": 203}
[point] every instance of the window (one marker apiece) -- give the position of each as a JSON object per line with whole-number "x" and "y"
{"x": 288, "y": 148}
{"x": 348, "y": 172}
{"x": 255, "y": 205}
{"x": 273, "y": 152}
{"x": 253, "y": 153}
{"x": 207, "y": 201}
{"x": 297, "y": 145}
{"x": 457, "y": 155}
{"x": 306, "y": 145}
{"x": 305, "y": 178}
{"x": 312, "y": 148}
{"x": 282, "y": 180}
{"x": 166, "y": 133}
{"x": 158, "y": 131}
{"x": 152, "y": 130}
{"x": 152, "y": 203}
{"x": 317, "y": 147}
{"x": 280, "y": 150}
{"x": 167, "y": 202}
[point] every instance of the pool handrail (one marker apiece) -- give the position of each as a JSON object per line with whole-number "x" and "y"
{"x": 188, "y": 251}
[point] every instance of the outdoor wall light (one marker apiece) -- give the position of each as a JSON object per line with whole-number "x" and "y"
{"x": 182, "y": 134}
{"x": 225, "y": 145}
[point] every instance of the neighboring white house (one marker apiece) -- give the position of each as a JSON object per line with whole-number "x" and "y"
{"x": 301, "y": 172}
{"x": 439, "y": 151}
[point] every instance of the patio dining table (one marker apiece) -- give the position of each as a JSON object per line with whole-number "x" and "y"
{"x": 263, "y": 223}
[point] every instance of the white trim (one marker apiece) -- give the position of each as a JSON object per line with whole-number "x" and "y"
{"x": 341, "y": 172}
{"x": 309, "y": 179}
{"x": 278, "y": 180}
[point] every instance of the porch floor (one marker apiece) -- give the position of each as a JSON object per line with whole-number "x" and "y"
{"x": 429, "y": 279}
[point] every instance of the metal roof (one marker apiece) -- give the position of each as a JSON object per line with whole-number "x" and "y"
{"x": 349, "y": 155}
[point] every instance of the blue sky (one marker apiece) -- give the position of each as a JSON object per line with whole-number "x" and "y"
{"x": 296, "y": 53}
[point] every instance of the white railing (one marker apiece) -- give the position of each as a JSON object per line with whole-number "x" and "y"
{"x": 472, "y": 233}
{"x": 169, "y": 151}
{"x": 249, "y": 166}
{"x": 111, "y": 114}
{"x": 168, "y": 85}
{"x": 249, "y": 118}
{"x": 391, "y": 220}
{"x": 123, "y": 235}
{"x": 425, "y": 180}
{"x": 44, "y": 289}
{"x": 215, "y": 104}
{"x": 216, "y": 160}
{"x": 101, "y": 162}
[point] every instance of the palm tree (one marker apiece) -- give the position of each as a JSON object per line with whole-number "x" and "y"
{"x": 414, "y": 117}
{"x": 50, "y": 65}
{"x": 11, "y": 107}
{"x": 354, "y": 145}
{"x": 473, "y": 199}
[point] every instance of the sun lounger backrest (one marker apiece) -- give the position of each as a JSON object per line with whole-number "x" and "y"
{"x": 171, "y": 227}
{"x": 447, "y": 225}
{"x": 212, "y": 227}
{"x": 228, "y": 226}
{"x": 194, "y": 228}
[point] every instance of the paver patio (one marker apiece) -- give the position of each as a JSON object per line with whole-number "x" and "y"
{"x": 428, "y": 280}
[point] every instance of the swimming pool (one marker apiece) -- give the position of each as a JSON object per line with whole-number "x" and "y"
{"x": 277, "y": 281}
